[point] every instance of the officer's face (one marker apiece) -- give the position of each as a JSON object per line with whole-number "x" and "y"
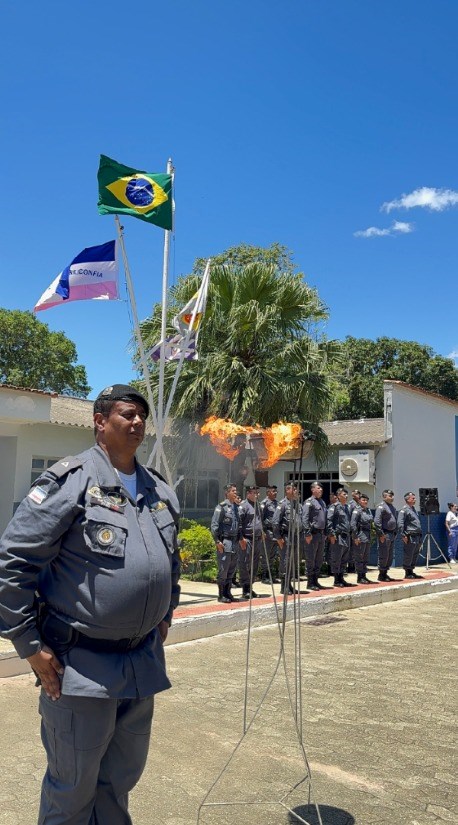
{"x": 317, "y": 492}
{"x": 123, "y": 429}
{"x": 272, "y": 494}
{"x": 232, "y": 495}
{"x": 343, "y": 496}
{"x": 388, "y": 498}
{"x": 411, "y": 500}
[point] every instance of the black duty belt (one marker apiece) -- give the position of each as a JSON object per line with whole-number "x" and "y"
{"x": 250, "y": 536}
{"x": 317, "y": 530}
{"x": 62, "y": 637}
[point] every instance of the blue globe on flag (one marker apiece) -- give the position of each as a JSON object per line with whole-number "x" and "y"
{"x": 139, "y": 191}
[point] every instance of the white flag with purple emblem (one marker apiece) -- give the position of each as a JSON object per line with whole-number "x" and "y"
{"x": 92, "y": 275}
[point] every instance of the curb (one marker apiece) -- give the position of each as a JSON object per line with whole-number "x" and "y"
{"x": 187, "y": 629}
{"x": 215, "y": 621}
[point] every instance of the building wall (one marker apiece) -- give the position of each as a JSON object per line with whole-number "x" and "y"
{"x": 8, "y": 448}
{"x": 423, "y": 444}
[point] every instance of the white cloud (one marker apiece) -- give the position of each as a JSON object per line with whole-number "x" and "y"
{"x": 434, "y": 199}
{"x": 453, "y": 355}
{"x": 396, "y": 228}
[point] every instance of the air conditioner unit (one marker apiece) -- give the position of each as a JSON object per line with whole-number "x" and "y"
{"x": 356, "y": 465}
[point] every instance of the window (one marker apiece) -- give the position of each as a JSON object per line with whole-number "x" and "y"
{"x": 328, "y": 480}
{"x": 39, "y": 465}
{"x": 201, "y": 493}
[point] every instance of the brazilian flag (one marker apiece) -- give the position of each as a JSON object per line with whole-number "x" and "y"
{"x": 127, "y": 191}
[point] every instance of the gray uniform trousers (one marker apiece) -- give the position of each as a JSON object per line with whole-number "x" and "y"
{"x": 385, "y": 552}
{"x": 361, "y": 556}
{"x": 411, "y": 551}
{"x": 97, "y": 750}
{"x": 270, "y": 553}
{"x": 314, "y": 554}
{"x": 339, "y": 554}
{"x": 288, "y": 556}
{"x": 227, "y": 561}
{"x": 245, "y": 560}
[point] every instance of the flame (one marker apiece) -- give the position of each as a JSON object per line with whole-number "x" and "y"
{"x": 280, "y": 439}
{"x": 276, "y": 440}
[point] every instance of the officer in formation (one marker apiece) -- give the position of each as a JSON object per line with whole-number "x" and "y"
{"x": 409, "y": 527}
{"x": 269, "y": 550}
{"x": 251, "y": 541}
{"x": 361, "y": 523}
{"x": 338, "y": 527}
{"x": 314, "y": 523}
{"x": 355, "y": 496}
{"x": 89, "y": 571}
{"x": 385, "y": 521}
{"x": 225, "y": 529}
{"x": 288, "y": 530}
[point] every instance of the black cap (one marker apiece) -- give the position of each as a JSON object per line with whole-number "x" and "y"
{"x": 252, "y": 488}
{"x": 121, "y": 392}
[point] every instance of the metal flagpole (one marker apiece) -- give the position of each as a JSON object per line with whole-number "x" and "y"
{"x": 160, "y": 400}
{"x": 141, "y": 348}
{"x": 184, "y": 346}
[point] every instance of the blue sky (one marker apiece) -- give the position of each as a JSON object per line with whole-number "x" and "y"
{"x": 290, "y": 121}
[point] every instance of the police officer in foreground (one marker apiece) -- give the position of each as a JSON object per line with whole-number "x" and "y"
{"x": 288, "y": 530}
{"x": 409, "y": 526}
{"x": 269, "y": 550}
{"x": 361, "y": 523}
{"x": 89, "y": 572}
{"x": 314, "y": 523}
{"x": 386, "y": 526}
{"x": 338, "y": 529}
{"x": 250, "y": 543}
{"x": 225, "y": 529}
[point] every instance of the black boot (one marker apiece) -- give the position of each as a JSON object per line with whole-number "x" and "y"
{"x": 383, "y": 577}
{"x": 344, "y": 583}
{"x": 409, "y": 574}
{"x": 363, "y": 580}
{"x": 221, "y": 595}
{"x": 312, "y": 584}
{"x": 337, "y": 582}
{"x": 227, "y": 592}
{"x": 415, "y": 575}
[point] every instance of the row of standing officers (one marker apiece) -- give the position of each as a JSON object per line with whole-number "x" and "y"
{"x": 248, "y": 533}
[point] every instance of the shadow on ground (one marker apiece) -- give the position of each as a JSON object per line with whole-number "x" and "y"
{"x": 329, "y": 815}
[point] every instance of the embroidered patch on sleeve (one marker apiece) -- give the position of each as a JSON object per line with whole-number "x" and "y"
{"x": 37, "y": 494}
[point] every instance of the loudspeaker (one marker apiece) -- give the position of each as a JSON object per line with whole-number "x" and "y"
{"x": 429, "y": 501}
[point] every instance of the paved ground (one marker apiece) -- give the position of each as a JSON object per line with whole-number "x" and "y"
{"x": 379, "y": 725}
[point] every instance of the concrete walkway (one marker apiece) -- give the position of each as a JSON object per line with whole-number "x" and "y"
{"x": 379, "y": 725}
{"x": 200, "y": 615}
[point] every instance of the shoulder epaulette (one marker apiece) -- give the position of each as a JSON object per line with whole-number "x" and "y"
{"x": 64, "y": 466}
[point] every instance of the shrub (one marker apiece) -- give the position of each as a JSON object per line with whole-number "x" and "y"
{"x": 197, "y": 551}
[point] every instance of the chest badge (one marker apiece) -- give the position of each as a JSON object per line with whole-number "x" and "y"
{"x": 105, "y": 536}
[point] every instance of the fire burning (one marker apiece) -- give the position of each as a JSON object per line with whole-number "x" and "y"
{"x": 275, "y": 440}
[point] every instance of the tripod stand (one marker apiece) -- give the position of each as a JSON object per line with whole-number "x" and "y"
{"x": 427, "y": 542}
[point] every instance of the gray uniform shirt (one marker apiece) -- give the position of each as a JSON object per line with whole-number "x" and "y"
{"x": 225, "y": 523}
{"x": 338, "y": 520}
{"x": 250, "y": 516}
{"x": 268, "y": 507}
{"x": 385, "y": 519}
{"x": 314, "y": 516}
{"x": 409, "y": 521}
{"x": 108, "y": 569}
{"x": 287, "y": 512}
{"x": 361, "y": 520}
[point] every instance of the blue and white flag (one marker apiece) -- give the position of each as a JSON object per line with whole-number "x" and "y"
{"x": 92, "y": 275}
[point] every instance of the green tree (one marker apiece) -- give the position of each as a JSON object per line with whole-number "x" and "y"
{"x": 369, "y": 362}
{"x": 33, "y": 356}
{"x": 262, "y": 357}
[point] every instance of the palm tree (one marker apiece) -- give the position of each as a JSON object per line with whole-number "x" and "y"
{"x": 261, "y": 357}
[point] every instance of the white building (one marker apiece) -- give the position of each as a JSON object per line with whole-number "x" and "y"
{"x": 415, "y": 445}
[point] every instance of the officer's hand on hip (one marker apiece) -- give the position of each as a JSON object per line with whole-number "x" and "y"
{"x": 280, "y": 542}
{"x": 405, "y": 539}
{"x": 332, "y": 539}
{"x": 219, "y": 546}
{"x": 47, "y": 666}
{"x": 243, "y": 543}
{"x": 357, "y": 541}
{"x": 308, "y": 539}
{"x": 163, "y": 628}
